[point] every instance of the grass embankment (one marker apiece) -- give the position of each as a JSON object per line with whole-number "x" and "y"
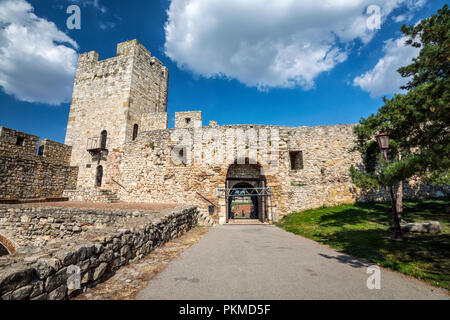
{"x": 362, "y": 230}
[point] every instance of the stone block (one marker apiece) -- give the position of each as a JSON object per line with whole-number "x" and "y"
{"x": 46, "y": 266}
{"x": 22, "y": 293}
{"x": 86, "y": 277}
{"x": 43, "y": 296}
{"x": 38, "y": 289}
{"x": 56, "y": 280}
{"x": 67, "y": 257}
{"x": 97, "y": 248}
{"x": 99, "y": 271}
{"x": 106, "y": 256}
{"x": 14, "y": 278}
{"x": 58, "y": 294}
{"x": 422, "y": 227}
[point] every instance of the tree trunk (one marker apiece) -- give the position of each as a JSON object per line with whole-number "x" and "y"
{"x": 399, "y": 200}
{"x": 397, "y": 228}
{"x": 399, "y": 197}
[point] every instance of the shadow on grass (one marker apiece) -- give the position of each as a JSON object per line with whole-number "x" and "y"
{"x": 427, "y": 210}
{"x": 361, "y": 212}
{"x": 420, "y": 255}
{"x": 362, "y": 231}
{"x": 380, "y": 212}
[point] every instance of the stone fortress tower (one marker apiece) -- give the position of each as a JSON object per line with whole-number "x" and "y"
{"x": 112, "y": 101}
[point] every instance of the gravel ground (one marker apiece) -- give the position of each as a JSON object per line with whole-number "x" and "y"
{"x": 129, "y": 280}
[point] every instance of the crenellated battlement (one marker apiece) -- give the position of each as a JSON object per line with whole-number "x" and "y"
{"x": 88, "y": 57}
{"x": 23, "y": 145}
{"x": 32, "y": 169}
{"x": 132, "y": 48}
{"x": 127, "y": 53}
{"x": 17, "y": 143}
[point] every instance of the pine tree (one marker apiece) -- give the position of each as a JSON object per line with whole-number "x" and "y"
{"x": 417, "y": 122}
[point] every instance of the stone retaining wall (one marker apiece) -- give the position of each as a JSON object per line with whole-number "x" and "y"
{"x": 36, "y": 226}
{"x": 55, "y": 272}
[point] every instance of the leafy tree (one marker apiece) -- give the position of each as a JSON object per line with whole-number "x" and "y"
{"x": 417, "y": 122}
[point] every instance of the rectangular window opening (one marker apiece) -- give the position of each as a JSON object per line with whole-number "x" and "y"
{"x": 41, "y": 150}
{"x": 20, "y": 141}
{"x": 296, "y": 158}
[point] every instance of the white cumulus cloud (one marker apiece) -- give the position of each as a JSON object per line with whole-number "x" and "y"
{"x": 262, "y": 43}
{"x": 384, "y": 79}
{"x": 37, "y": 60}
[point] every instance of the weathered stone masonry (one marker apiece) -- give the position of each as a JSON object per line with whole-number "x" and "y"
{"x": 98, "y": 243}
{"x": 118, "y": 147}
{"x": 130, "y": 90}
{"x": 29, "y": 171}
{"x": 114, "y": 96}
{"x": 146, "y": 171}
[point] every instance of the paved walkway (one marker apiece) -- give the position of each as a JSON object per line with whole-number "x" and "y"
{"x": 265, "y": 262}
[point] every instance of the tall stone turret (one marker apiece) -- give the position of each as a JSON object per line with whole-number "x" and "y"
{"x": 113, "y": 100}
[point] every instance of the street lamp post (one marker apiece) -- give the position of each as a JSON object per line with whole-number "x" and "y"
{"x": 383, "y": 143}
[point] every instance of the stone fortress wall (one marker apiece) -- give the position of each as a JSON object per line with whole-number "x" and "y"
{"x": 144, "y": 170}
{"x": 29, "y": 169}
{"x": 126, "y": 98}
{"x": 62, "y": 251}
{"x": 188, "y": 119}
{"x": 131, "y": 90}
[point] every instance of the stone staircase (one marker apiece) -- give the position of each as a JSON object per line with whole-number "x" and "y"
{"x": 95, "y": 195}
{"x": 109, "y": 196}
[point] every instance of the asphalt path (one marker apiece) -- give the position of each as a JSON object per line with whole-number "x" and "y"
{"x": 257, "y": 262}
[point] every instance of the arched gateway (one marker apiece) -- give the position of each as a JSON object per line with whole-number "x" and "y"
{"x": 6, "y": 246}
{"x": 246, "y": 193}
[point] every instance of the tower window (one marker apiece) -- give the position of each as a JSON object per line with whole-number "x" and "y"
{"x": 41, "y": 150}
{"x": 103, "y": 137}
{"x": 20, "y": 141}
{"x": 296, "y": 158}
{"x": 135, "y": 131}
{"x": 188, "y": 120}
{"x": 182, "y": 155}
{"x": 99, "y": 176}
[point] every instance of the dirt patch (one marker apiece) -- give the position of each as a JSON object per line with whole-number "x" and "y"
{"x": 128, "y": 281}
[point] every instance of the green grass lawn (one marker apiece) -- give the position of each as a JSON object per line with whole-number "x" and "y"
{"x": 362, "y": 230}
{"x": 234, "y": 204}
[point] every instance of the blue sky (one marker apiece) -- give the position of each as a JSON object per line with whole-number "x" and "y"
{"x": 301, "y": 64}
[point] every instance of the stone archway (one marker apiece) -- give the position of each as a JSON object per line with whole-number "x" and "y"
{"x": 6, "y": 246}
{"x": 243, "y": 180}
{"x": 243, "y": 203}
{"x": 3, "y": 250}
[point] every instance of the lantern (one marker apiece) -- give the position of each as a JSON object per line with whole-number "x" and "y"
{"x": 383, "y": 141}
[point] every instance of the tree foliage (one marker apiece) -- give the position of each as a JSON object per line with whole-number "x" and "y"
{"x": 417, "y": 122}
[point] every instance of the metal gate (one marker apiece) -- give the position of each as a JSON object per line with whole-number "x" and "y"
{"x": 261, "y": 198}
